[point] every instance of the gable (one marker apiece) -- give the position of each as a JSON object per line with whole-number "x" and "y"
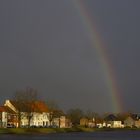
{"x": 36, "y": 106}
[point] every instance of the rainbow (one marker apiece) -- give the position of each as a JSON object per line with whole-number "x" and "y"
{"x": 97, "y": 42}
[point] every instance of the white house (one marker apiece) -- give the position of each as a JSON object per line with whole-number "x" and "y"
{"x": 112, "y": 121}
{"x": 39, "y": 116}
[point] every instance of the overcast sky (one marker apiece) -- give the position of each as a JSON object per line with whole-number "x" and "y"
{"x": 44, "y": 45}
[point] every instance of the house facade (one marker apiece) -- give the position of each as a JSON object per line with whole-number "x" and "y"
{"x": 132, "y": 121}
{"x": 8, "y": 118}
{"x": 88, "y": 122}
{"x": 39, "y": 115}
{"x": 84, "y": 122}
{"x": 137, "y": 123}
{"x": 61, "y": 122}
{"x": 40, "y": 119}
{"x": 3, "y": 117}
{"x": 112, "y": 121}
{"x": 65, "y": 122}
{"x": 129, "y": 122}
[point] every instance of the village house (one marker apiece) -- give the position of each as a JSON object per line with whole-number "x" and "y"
{"x": 87, "y": 122}
{"x": 112, "y": 121}
{"x": 84, "y": 122}
{"x": 8, "y": 118}
{"x": 39, "y": 114}
{"x": 65, "y": 122}
{"x": 132, "y": 121}
{"x": 129, "y": 122}
{"x": 91, "y": 123}
{"x": 137, "y": 123}
{"x": 61, "y": 122}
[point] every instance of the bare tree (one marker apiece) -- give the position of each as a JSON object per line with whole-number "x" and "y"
{"x": 75, "y": 115}
{"x": 92, "y": 115}
{"x": 55, "y": 111}
{"x": 25, "y": 102}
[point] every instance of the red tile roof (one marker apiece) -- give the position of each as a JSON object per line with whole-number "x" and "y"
{"x": 36, "y": 106}
{"x": 41, "y": 106}
{"x": 6, "y": 109}
{"x": 2, "y": 109}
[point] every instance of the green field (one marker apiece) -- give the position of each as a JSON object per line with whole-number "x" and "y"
{"x": 42, "y": 130}
{"x": 55, "y": 130}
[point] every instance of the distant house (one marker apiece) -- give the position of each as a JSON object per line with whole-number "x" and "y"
{"x": 8, "y": 117}
{"x": 112, "y": 121}
{"x": 129, "y": 122}
{"x": 91, "y": 123}
{"x": 84, "y": 122}
{"x": 39, "y": 114}
{"x": 132, "y": 121}
{"x": 61, "y": 122}
{"x": 87, "y": 122}
{"x": 65, "y": 122}
{"x": 137, "y": 123}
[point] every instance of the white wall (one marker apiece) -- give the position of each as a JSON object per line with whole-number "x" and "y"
{"x": 38, "y": 119}
{"x": 4, "y": 119}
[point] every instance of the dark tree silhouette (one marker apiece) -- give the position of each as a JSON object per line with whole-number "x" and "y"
{"x": 24, "y": 101}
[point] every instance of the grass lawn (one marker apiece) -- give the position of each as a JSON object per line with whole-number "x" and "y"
{"x": 55, "y": 130}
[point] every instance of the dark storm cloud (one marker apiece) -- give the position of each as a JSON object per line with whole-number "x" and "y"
{"x": 119, "y": 26}
{"x": 43, "y": 44}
